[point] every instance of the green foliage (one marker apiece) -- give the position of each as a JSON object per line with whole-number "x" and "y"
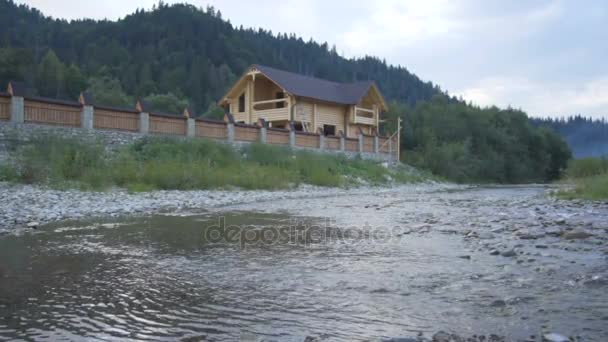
{"x": 587, "y": 167}
{"x": 108, "y": 91}
{"x": 591, "y": 188}
{"x": 165, "y": 163}
{"x": 167, "y": 103}
{"x": 470, "y": 144}
{"x": 214, "y": 112}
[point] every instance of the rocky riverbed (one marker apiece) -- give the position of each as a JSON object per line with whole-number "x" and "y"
{"x": 28, "y": 206}
{"x": 415, "y": 263}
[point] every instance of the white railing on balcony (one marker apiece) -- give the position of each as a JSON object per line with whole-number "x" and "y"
{"x": 364, "y": 120}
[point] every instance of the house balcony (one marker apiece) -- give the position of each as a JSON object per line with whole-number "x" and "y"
{"x": 364, "y": 116}
{"x": 270, "y": 110}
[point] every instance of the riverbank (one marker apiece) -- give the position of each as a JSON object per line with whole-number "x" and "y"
{"x": 29, "y": 206}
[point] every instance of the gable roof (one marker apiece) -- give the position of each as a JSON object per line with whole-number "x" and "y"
{"x": 316, "y": 88}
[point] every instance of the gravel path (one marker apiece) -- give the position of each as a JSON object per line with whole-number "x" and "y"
{"x": 27, "y": 206}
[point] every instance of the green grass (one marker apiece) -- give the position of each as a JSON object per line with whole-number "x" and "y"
{"x": 591, "y": 188}
{"x": 588, "y": 178}
{"x": 165, "y": 163}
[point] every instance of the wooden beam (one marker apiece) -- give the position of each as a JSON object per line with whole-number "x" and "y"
{"x": 270, "y": 101}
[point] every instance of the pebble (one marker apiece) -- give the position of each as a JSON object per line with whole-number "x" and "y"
{"x": 553, "y": 337}
{"x": 33, "y": 206}
{"x": 508, "y": 254}
{"x": 576, "y": 235}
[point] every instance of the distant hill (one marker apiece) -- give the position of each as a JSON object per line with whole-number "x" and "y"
{"x": 178, "y": 50}
{"x": 586, "y": 137}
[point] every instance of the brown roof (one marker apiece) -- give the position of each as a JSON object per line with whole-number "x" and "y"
{"x": 316, "y": 88}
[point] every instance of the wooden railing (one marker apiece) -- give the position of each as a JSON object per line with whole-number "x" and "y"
{"x": 274, "y": 114}
{"x": 277, "y": 136}
{"x": 351, "y": 144}
{"x": 167, "y": 125}
{"x": 210, "y": 129}
{"x": 309, "y": 140}
{"x": 246, "y": 133}
{"x": 52, "y": 113}
{"x": 5, "y": 107}
{"x": 119, "y": 119}
{"x": 332, "y": 143}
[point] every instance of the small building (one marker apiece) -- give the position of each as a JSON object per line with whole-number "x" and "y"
{"x": 312, "y": 104}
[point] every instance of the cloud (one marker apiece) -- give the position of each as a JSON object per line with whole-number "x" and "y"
{"x": 540, "y": 98}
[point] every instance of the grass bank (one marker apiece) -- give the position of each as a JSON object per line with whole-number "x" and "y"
{"x": 158, "y": 163}
{"x": 588, "y": 178}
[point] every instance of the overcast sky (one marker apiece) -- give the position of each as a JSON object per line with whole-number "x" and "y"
{"x": 545, "y": 57}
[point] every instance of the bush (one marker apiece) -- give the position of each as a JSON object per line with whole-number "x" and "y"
{"x": 586, "y": 167}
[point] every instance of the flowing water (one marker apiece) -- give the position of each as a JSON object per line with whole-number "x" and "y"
{"x": 343, "y": 268}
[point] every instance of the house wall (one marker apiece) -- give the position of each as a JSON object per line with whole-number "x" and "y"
{"x": 328, "y": 114}
{"x": 304, "y": 111}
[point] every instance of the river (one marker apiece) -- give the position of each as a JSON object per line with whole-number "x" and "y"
{"x": 509, "y": 261}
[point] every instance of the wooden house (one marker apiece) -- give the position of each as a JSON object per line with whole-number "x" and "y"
{"x": 312, "y": 104}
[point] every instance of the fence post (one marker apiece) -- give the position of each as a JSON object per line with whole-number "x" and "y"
{"x": 144, "y": 123}
{"x": 86, "y": 116}
{"x": 376, "y": 144}
{"x": 229, "y": 119}
{"x": 190, "y": 127}
{"x": 144, "y": 117}
{"x": 390, "y": 149}
{"x": 321, "y": 139}
{"x": 17, "y": 92}
{"x": 342, "y": 141}
{"x": 361, "y": 142}
{"x": 292, "y": 135}
{"x": 263, "y": 130}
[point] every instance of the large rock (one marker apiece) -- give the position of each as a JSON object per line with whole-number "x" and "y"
{"x": 553, "y": 337}
{"x": 576, "y": 235}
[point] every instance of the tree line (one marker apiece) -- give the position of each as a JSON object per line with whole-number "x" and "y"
{"x": 586, "y": 136}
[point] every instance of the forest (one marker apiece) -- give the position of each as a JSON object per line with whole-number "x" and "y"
{"x": 179, "y": 55}
{"x": 587, "y": 137}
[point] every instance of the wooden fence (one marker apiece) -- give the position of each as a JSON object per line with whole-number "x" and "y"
{"x": 246, "y": 132}
{"x": 52, "y": 113}
{"x": 116, "y": 118}
{"x": 74, "y": 114}
{"x": 211, "y": 129}
{"x": 309, "y": 140}
{"x": 277, "y": 136}
{"x": 351, "y": 144}
{"x": 332, "y": 143}
{"x": 167, "y": 125}
{"x": 5, "y": 107}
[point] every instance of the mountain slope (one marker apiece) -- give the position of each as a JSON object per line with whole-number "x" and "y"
{"x": 179, "y": 49}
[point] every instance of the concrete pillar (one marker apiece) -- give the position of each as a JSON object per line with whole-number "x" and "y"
{"x": 144, "y": 123}
{"x": 292, "y": 139}
{"x": 342, "y": 143}
{"x": 17, "y": 109}
{"x": 263, "y": 134}
{"x": 190, "y": 128}
{"x": 390, "y": 150}
{"x": 321, "y": 142}
{"x": 86, "y": 117}
{"x": 360, "y": 143}
{"x": 230, "y": 132}
{"x": 376, "y": 145}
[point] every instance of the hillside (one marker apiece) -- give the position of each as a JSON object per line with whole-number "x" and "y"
{"x": 180, "y": 52}
{"x": 586, "y": 137}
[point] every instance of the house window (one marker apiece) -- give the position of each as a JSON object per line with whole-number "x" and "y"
{"x": 280, "y": 95}
{"x": 329, "y": 130}
{"x": 242, "y": 103}
{"x": 297, "y": 126}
